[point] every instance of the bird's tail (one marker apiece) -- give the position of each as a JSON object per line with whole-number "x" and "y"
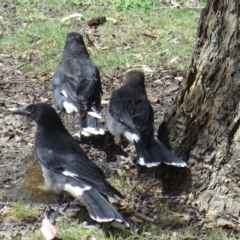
{"x": 154, "y": 153}
{"x": 97, "y": 205}
{"x": 90, "y": 124}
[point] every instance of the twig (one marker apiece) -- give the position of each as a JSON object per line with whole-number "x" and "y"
{"x": 235, "y": 220}
{"x": 20, "y": 81}
{"x": 182, "y": 7}
{"x": 192, "y": 8}
{"x": 12, "y": 101}
{"x": 147, "y": 34}
{"x": 148, "y": 189}
{"x": 144, "y": 217}
{"x": 5, "y": 204}
{"x": 10, "y": 70}
{"x": 169, "y": 197}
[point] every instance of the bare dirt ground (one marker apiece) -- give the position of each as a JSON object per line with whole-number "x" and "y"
{"x": 20, "y": 175}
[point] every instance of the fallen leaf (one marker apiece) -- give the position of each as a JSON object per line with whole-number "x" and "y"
{"x": 136, "y": 219}
{"x": 44, "y": 78}
{"x": 90, "y": 237}
{"x": 122, "y": 204}
{"x": 222, "y": 223}
{"x": 159, "y": 81}
{"x": 6, "y": 211}
{"x": 5, "y": 234}
{"x": 48, "y": 230}
{"x": 126, "y": 167}
{"x": 211, "y": 216}
{"x": 95, "y": 22}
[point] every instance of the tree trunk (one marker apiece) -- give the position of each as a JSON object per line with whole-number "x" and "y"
{"x": 203, "y": 127}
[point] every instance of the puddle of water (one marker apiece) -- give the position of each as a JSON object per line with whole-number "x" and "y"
{"x": 34, "y": 185}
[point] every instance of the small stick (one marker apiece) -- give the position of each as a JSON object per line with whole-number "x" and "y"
{"x": 10, "y": 70}
{"x": 20, "y": 81}
{"x": 144, "y": 217}
{"x": 12, "y": 101}
{"x": 5, "y": 204}
{"x": 147, "y": 34}
{"x": 148, "y": 189}
{"x": 235, "y": 220}
{"x": 169, "y": 197}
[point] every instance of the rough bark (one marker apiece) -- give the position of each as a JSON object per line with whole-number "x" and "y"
{"x": 203, "y": 127}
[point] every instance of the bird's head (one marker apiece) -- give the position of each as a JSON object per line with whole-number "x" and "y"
{"x": 41, "y": 113}
{"x": 75, "y": 37}
{"x": 135, "y": 77}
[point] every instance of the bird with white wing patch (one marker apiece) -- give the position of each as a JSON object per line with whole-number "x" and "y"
{"x": 66, "y": 168}
{"x": 130, "y": 115}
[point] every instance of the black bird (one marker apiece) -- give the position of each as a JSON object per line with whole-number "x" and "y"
{"x": 66, "y": 167}
{"x": 130, "y": 115}
{"x": 76, "y": 85}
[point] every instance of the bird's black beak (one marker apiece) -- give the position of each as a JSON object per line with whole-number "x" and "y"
{"x": 22, "y": 111}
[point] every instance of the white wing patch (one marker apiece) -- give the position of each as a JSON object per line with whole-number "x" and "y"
{"x": 69, "y": 174}
{"x": 131, "y": 136}
{"x": 95, "y": 114}
{"x": 75, "y": 191}
{"x": 69, "y": 107}
{"x": 64, "y": 93}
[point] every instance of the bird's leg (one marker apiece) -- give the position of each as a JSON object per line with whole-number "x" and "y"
{"x": 62, "y": 210}
{"x": 59, "y": 199}
{"x": 123, "y": 144}
{"x": 125, "y": 158}
{"x": 69, "y": 200}
{"x": 119, "y": 140}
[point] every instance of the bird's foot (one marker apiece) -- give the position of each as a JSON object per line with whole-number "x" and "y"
{"x": 50, "y": 214}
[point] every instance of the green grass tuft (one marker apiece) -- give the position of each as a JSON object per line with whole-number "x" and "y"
{"x": 22, "y": 211}
{"x": 218, "y": 233}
